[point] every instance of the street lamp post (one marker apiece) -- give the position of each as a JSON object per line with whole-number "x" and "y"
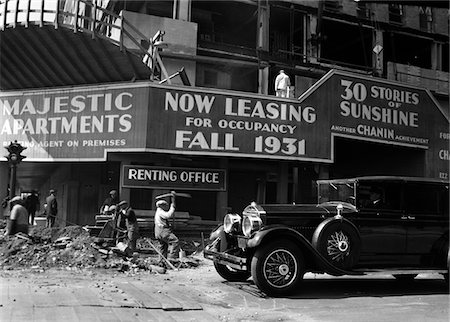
{"x": 14, "y": 158}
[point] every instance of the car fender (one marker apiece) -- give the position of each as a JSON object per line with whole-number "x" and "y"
{"x": 268, "y": 232}
{"x": 327, "y": 221}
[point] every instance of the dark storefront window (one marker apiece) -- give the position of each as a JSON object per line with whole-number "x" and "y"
{"x": 395, "y": 13}
{"x": 141, "y": 199}
{"x": 227, "y": 76}
{"x": 226, "y": 25}
{"x": 407, "y": 50}
{"x": 286, "y": 33}
{"x": 346, "y": 44}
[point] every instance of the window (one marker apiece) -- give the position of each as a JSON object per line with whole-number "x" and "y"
{"x": 286, "y": 33}
{"x": 383, "y": 195}
{"x": 396, "y": 13}
{"x": 332, "y": 5}
{"x": 426, "y": 19}
{"x": 362, "y": 10}
{"x": 346, "y": 44}
{"x": 425, "y": 199}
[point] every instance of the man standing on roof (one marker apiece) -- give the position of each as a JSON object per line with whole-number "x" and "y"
{"x": 282, "y": 83}
{"x": 163, "y": 229}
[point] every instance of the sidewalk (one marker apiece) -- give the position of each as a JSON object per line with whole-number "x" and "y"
{"x": 68, "y": 296}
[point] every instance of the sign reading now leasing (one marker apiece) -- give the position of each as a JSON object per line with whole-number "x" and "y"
{"x": 173, "y": 178}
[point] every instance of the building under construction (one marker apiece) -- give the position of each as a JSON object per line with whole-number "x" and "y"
{"x": 151, "y": 96}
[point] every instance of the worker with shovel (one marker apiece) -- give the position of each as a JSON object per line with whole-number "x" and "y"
{"x": 163, "y": 229}
{"x": 131, "y": 223}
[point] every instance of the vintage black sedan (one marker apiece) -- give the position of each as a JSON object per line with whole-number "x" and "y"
{"x": 388, "y": 225}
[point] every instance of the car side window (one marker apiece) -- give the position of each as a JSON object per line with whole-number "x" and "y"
{"x": 379, "y": 195}
{"x": 426, "y": 198}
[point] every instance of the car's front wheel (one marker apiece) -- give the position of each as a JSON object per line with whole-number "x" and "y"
{"x": 277, "y": 268}
{"x": 231, "y": 274}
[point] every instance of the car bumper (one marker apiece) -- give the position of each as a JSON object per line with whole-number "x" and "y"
{"x": 236, "y": 262}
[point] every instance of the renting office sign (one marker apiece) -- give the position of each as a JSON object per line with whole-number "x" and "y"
{"x": 173, "y": 178}
{"x": 75, "y": 123}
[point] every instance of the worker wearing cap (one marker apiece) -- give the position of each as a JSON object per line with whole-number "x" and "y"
{"x": 18, "y": 219}
{"x": 51, "y": 208}
{"x": 112, "y": 199}
{"x": 131, "y": 223}
{"x": 163, "y": 229}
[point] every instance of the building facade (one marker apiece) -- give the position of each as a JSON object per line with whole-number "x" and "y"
{"x": 369, "y": 96}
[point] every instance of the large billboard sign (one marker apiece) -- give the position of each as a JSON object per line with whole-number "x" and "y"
{"x": 373, "y": 109}
{"x": 76, "y": 123}
{"x": 385, "y": 112}
{"x": 211, "y": 123}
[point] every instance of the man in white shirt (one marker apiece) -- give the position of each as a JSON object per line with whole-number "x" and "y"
{"x": 163, "y": 229}
{"x": 282, "y": 83}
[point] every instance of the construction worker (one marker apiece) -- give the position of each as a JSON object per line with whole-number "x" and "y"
{"x": 112, "y": 199}
{"x": 131, "y": 223}
{"x": 51, "y": 208}
{"x": 18, "y": 219}
{"x": 282, "y": 83}
{"x": 163, "y": 229}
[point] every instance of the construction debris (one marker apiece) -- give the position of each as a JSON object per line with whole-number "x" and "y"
{"x": 72, "y": 247}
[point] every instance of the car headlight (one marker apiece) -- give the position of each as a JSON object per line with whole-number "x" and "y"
{"x": 231, "y": 222}
{"x": 251, "y": 224}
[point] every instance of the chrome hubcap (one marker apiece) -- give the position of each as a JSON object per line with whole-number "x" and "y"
{"x": 338, "y": 246}
{"x": 283, "y": 269}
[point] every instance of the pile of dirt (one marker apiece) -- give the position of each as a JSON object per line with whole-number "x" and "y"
{"x": 72, "y": 247}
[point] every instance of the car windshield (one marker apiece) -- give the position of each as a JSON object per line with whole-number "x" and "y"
{"x": 332, "y": 191}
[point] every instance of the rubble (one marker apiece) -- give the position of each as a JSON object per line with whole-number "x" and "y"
{"x": 73, "y": 248}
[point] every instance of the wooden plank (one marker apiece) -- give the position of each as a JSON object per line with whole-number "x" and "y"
{"x": 6, "y": 313}
{"x": 19, "y": 295}
{"x": 87, "y": 313}
{"x": 41, "y": 297}
{"x": 139, "y": 296}
{"x": 123, "y": 300}
{"x": 167, "y": 302}
{"x": 187, "y": 301}
{"x": 193, "y": 316}
{"x": 88, "y": 297}
{"x": 64, "y": 297}
{"x": 56, "y": 313}
{"x": 22, "y": 314}
{"x": 106, "y": 314}
{"x": 140, "y": 314}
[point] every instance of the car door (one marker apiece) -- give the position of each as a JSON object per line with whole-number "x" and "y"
{"x": 426, "y": 219}
{"x": 380, "y": 223}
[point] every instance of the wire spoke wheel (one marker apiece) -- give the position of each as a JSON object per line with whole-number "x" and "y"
{"x": 338, "y": 246}
{"x": 278, "y": 268}
{"x": 339, "y": 242}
